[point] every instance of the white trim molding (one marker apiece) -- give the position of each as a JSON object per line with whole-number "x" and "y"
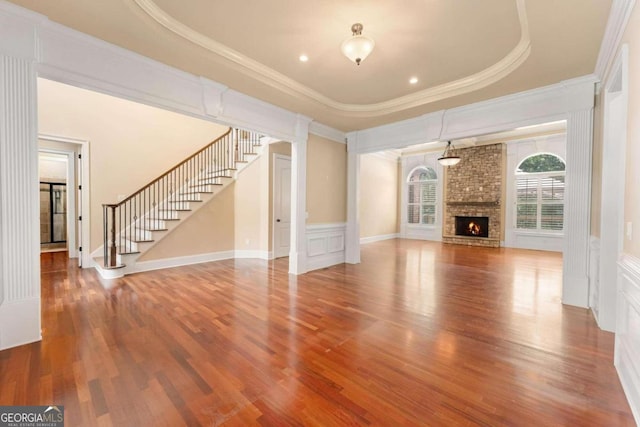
{"x": 298, "y": 246}
{"x": 19, "y": 196}
{"x": 615, "y": 99}
{"x": 627, "y": 348}
{"x": 379, "y": 238}
{"x": 577, "y": 208}
{"x": 325, "y": 245}
{"x": 327, "y": 132}
{"x": 158, "y": 264}
{"x": 260, "y": 72}
{"x": 594, "y": 276}
{"x": 616, "y": 24}
{"x": 571, "y": 100}
{"x": 352, "y": 251}
{"x": 77, "y": 59}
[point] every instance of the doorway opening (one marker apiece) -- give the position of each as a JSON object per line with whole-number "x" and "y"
{"x": 63, "y": 176}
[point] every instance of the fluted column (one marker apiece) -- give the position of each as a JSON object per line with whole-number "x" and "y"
{"x": 298, "y": 247}
{"x": 19, "y": 225}
{"x": 352, "y": 255}
{"x": 577, "y": 206}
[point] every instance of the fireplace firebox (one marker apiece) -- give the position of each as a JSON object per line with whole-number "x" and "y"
{"x": 472, "y": 226}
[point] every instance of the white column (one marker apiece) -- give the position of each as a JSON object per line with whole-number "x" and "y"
{"x": 352, "y": 255}
{"x": 19, "y": 203}
{"x": 298, "y": 251}
{"x": 577, "y": 206}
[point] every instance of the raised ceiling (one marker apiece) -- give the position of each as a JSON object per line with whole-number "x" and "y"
{"x": 461, "y": 51}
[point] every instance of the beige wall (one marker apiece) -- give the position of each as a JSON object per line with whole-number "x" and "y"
{"x": 129, "y": 143}
{"x": 326, "y": 181}
{"x": 632, "y": 195}
{"x": 252, "y": 207}
{"x": 379, "y": 201}
{"x": 239, "y": 218}
{"x": 209, "y": 229}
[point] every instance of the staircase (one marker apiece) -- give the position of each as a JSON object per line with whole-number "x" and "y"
{"x": 137, "y": 223}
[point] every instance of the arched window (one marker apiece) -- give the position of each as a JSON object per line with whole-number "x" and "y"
{"x": 540, "y": 193}
{"x": 422, "y": 184}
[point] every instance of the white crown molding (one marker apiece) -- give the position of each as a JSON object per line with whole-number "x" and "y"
{"x": 616, "y": 24}
{"x": 287, "y": 85}
{"x": 537, "y": 106}
{"x": 389, "y": 155}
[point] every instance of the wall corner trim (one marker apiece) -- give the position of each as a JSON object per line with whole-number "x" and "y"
{"x": 616, "y": 24}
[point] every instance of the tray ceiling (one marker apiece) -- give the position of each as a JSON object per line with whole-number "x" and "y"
{"x": 461, "y": 52}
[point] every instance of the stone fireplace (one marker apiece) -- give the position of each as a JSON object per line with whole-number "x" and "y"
{"x": 472, "y": 226}
{"x": 473, "y": 191}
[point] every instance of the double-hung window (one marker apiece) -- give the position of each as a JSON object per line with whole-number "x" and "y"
{"x": 422, "y": 184}
{"x": 540, "y": 193}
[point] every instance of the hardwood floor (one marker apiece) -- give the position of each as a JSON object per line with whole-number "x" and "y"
{"x": 419, "y": 333}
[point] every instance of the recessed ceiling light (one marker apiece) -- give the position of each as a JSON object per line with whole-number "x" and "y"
{"x": 304, "y": 58}
{"x": 413, "y": 80}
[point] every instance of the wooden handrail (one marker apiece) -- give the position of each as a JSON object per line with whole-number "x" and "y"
{"x": 131, "y": 221}
{"x": 173, "y": 169}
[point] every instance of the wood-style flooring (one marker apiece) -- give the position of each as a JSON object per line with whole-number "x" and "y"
{"x": 418, "y": 334}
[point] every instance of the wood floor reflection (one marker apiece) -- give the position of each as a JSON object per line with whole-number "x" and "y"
{"x": 419, "y": 333}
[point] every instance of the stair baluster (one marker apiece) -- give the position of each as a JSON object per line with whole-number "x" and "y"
{"x": 131, "y": 221}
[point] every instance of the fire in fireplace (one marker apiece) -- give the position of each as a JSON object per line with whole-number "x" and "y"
{"x": 472, "y": 226}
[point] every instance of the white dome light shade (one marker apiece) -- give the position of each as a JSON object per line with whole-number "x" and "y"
{"x": 449, "y": 156}
{"x": 357, "y": 47}
{"x": 449, "y": 161}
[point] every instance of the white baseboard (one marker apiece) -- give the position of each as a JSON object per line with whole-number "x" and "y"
{"x": 253, "y": 254}
{"x": 627, "y": 349}
{"x": 157, "y": 264}
{"x": 325, "y": 260}
{"x": 371, "y": 239}
{"x": 19, "y": 322}
{"x": 594, "y": 276}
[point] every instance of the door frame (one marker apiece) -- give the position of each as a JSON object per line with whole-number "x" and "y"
{"x": 80, "y": 183}
{"x": 276, "y": 157}
{"x": 614, "y": 132}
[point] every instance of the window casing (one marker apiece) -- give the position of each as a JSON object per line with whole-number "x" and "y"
{"x": 422, "y": 186}
{"x": 540, "y": 194}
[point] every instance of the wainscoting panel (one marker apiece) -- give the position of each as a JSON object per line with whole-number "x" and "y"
{"x": 538, "y": 242}
{"x": 325, "y": 245}
{"x": 627, "y": 352}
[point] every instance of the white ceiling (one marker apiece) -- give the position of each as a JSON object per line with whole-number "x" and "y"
{"x": 461, "y": 51}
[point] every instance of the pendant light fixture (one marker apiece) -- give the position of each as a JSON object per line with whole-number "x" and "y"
{"x": 449, "y": 157}
{"x": 357, "y": 47}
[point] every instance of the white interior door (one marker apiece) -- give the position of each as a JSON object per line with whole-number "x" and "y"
{"x": 281, "y": 205}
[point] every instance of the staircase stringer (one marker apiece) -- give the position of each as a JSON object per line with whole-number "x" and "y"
{"x": 174, "y": 209}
